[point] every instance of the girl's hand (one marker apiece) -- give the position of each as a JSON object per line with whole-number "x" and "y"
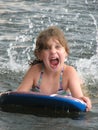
{"x": 88, "y": 102}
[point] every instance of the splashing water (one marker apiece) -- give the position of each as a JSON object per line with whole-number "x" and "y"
{"x": 87, "y": 68}
{"x": 18, "y": 57}
{"x": 13, "y": 63}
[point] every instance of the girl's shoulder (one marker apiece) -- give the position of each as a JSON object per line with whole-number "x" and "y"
{"x": 70, "y": 71}
{"x": 68, "y": 68}
{"x": 35, "y": 68}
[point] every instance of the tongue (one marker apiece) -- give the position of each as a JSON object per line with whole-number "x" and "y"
{"x": 54, "y": 62}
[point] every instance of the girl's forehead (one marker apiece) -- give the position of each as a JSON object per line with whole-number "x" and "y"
{"x": 53, "y": 40}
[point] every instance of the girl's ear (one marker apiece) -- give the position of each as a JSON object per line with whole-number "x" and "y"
{"x": 65, "y": 59}
{"x": 66, "y": 54}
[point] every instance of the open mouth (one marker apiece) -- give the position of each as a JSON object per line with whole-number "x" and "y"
{"x": 54, "y": 62}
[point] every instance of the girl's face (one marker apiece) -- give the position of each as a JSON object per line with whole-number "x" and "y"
{"x": 53, "y": 56}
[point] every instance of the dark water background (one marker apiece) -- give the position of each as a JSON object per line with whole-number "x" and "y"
{"x": 20, "y": 23}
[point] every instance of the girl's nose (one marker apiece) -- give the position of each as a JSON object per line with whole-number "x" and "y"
{"x": 52, "y": 50}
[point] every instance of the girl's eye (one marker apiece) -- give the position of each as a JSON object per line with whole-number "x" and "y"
{"x": 46, "y": 48}
{"x": 58, "y": 46}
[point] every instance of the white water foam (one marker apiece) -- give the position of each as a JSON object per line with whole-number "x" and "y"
{"x": 17, "y": 61}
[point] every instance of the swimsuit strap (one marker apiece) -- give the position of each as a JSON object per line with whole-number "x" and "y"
{"x": 61, "y": 77}
{"x": 40, "y": 78}
{"x": 41, "y": 75}
{"x": 60, "y": 90}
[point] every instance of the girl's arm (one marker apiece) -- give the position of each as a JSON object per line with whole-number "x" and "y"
{"x": 74, "y": 84}
{"x": 27, "y": 82}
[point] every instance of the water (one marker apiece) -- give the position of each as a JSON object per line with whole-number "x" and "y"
{"x": 20, "y": 23}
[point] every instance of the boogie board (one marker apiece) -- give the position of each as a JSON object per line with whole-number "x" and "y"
{"x": 38, "y": 103}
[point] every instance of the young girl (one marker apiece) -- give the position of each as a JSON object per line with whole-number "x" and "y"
{"x": 48, "y": 74}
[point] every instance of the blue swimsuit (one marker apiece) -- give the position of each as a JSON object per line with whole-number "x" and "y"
{"x": 60, "y": 91}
